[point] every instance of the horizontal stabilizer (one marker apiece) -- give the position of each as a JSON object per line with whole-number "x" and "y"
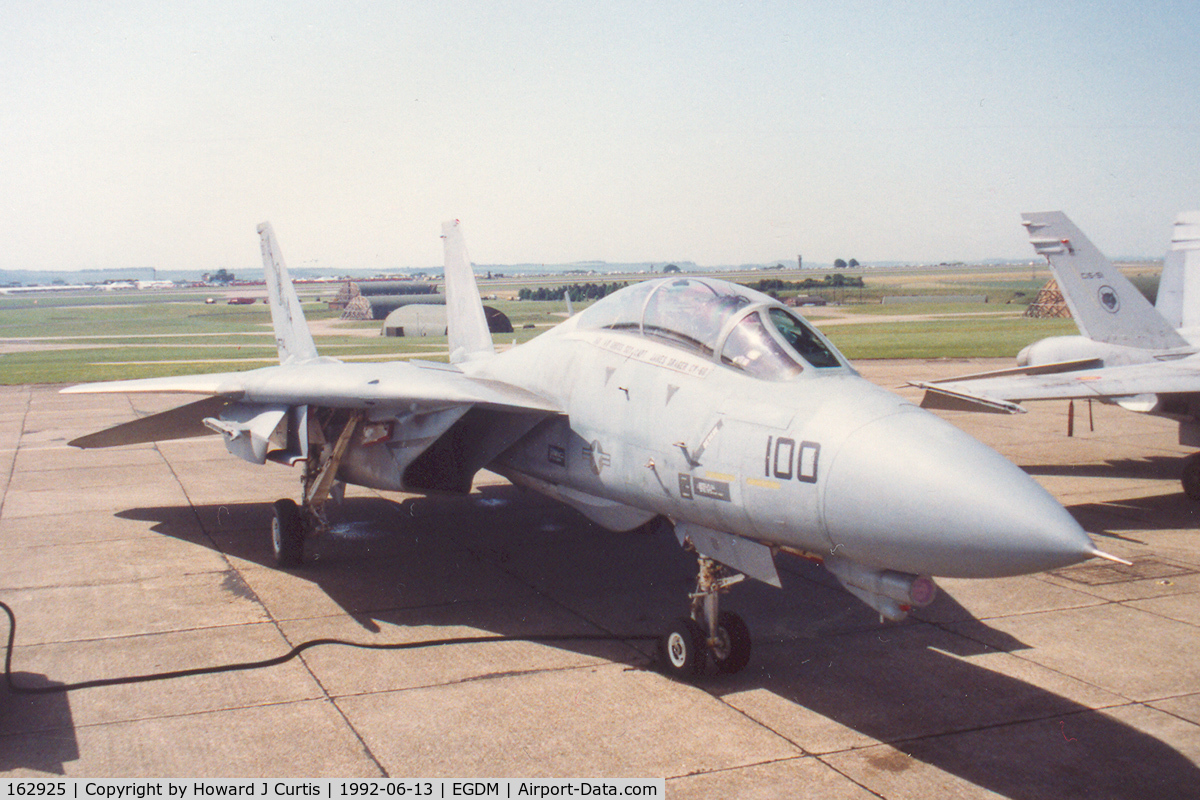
{"x": 1121, "y": 383}
{"x": 1037, "y": 369}
{"x": 185, "y": 422}
{"x": 945, "y": 400}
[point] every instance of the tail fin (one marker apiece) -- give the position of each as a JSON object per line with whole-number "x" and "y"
{"x": 1179, "y": 288}
{"x": 567, "y": 297}
{"x": 292, "y": 336}
{"x": 466, "y": 324}
{"x": 1106, "y": 306}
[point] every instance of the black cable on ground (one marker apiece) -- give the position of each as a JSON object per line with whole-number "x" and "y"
{"x": 288, "y": 656}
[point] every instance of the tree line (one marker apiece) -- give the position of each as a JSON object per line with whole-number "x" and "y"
{"x": 828, "y": 282}
{"x": 578, "y": 291}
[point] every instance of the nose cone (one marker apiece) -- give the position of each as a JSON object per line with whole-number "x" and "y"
{"x": 913, "y": 493}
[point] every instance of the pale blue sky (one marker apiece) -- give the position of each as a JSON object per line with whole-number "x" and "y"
{"x": 156, "y": 134}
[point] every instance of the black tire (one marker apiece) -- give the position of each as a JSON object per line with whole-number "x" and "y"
{"x": 682, "y": 649}
{"x": 287, "y": 534}
{"x": 732, "y": 651}
{"x": 1191, "y": 476}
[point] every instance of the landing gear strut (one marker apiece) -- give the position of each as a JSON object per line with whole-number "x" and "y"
{"x": 708, "y": 632}
{"x": 293, "y": 524}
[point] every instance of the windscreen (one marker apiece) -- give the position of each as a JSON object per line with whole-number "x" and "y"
{"x": 691, "y": 312}
{"x": 769, "y": 343}
{"x": 803, "y": 339}
{"x": 751, "y": 347}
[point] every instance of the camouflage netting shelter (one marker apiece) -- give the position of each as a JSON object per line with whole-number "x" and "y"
{"x": 1049, "y": 303}
{"x": 345, "y": 295}
{"x": 358, "y": 308}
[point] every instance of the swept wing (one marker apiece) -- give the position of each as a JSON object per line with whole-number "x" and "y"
{"x": 304, "y": 379}
{"x": 1004, "y": 389}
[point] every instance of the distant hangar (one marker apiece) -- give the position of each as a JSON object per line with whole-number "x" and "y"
{"x": 429, "y": 319}
{"x": 407, "y": 309}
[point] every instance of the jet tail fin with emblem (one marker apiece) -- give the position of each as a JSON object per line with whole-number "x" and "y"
{"x": 466, "y": 323}
{"x": 1106, "y": 306}
{"x": 1179, "y": 288}
{"x": 292, "y": 335}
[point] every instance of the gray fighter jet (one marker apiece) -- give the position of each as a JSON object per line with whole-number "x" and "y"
{"x": 689, "y": 399}
{"x": 1140, "y": 357}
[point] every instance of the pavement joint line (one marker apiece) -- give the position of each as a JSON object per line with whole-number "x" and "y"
{"x": 738, "y": 767}
{"x": 491, "y": 676}
{"x": 756, "y": 722}
{"x": 1106, "y": 600}
{"x": 1009, "y": 723}
{"x": 141, "y": 635}
{"x": 1150, "y": 704}
{"x": 1018, "y": 654}
{"x": 12, "y": 467}
{"x": 1155, "y": 613}
{"x": 267, "y": 611}
{"x": 182, "y": 715}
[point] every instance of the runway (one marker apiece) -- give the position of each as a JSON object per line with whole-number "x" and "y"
{"x": 139, "y": 560}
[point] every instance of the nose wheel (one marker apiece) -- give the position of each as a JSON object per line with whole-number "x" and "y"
{"x": 709, "y": 632}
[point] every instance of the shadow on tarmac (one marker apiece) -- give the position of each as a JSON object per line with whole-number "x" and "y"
{"x": 1164, "y": 512}
{"x": 931, "y": 691}
{"x": 1167, "y": 468}
{"x": 37, "y": 732}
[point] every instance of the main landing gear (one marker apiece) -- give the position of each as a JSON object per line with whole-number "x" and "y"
{"x": 1191, "y": 476}
{"x": 293, "y": 523}
{"x": 708, "y": 632}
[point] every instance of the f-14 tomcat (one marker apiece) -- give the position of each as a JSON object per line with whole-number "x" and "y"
{"x": 690, "y": 399}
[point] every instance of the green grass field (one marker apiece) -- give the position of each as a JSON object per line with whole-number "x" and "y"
{"x": 963, "y": 338}
{"x": 92, "y": 336}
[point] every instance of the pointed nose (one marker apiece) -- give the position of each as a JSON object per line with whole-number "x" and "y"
{"x": 911, "y": 492}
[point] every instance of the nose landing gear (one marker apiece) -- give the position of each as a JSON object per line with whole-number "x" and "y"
{"x": 708, "y": 632}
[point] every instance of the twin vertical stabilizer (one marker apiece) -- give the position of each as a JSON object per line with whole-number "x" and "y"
{"x": 1106, "y": 306}
{"x": 1179, "y": 288}
{"x": 466, "y": 324}
{"x": 292, "y": 336}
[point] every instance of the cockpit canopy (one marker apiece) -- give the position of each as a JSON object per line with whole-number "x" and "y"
{"x": 736, "y": 326}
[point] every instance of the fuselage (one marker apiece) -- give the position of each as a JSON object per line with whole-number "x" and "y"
{"x": 1058, "y": 349}
{"x": 1183, "y": 407}
{"x": 815, "y": 458}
